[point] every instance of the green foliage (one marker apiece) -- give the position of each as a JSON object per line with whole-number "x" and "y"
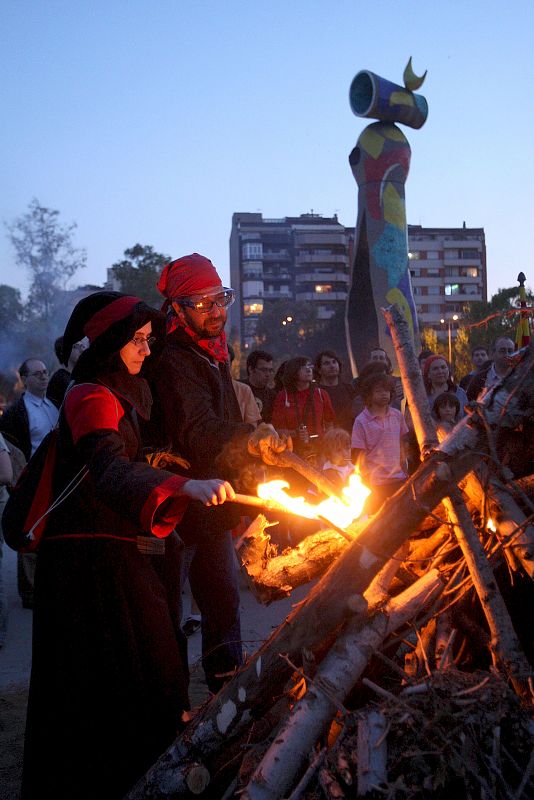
{"x": 11, "y": 308}
{"x": 292, "y": 338}
{"x": 139, "y": 271}
{"x": 44, "y": 248}
{"x": 501, "y": 325}
{"x": 461, "y": 354}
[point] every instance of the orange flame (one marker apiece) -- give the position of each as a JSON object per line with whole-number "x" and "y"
{"x": 491, "y": 526}
{"x": 340, "y": 512}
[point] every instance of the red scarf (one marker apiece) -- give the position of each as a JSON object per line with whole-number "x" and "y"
{"x": 217, "y": 347}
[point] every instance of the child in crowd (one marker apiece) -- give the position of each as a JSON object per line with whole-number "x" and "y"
{"x": 378, "y": 441}
{"x": 337, "y": 465}
{"x": 445, "y": 410}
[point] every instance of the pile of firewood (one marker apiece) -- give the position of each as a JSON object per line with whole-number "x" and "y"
{"x": 408, "y": 669}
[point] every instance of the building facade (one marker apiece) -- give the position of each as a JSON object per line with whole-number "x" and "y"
{"x": 304, "y": 259}
{"x": 307, "y": 258}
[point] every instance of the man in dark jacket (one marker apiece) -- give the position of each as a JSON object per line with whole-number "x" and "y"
{"x": 193, "y": 386}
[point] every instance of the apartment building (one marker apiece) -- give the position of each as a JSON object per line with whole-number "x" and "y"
{"x": 303, "y": 258}
{"x": 448, "y": 270}
{"x": 307, "y": 258}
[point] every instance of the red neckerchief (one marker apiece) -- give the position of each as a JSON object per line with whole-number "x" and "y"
{"x": 217, "y": 348}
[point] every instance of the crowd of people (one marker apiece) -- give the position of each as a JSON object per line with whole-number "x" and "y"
{"x": 109, "y": 684}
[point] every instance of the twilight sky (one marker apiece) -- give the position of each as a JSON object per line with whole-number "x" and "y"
{"x": 153, "y": 122}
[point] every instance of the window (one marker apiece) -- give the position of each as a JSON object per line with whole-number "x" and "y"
{"x": 470, "y": 272}
{"x": 434, "y": 290}
{"x": 252, "y": 308}
{"x": 415, "y": 273}
{"x": 469, "y": 252}
{"x": 323, "y": 288}
{"x": 452, "y": 272}
{"x": 433, "y": 272}
{"x": 417, "y": 290}
{"x": 414, "y": 255}
{"x": 432, "y": 254}
{"x": 434, "y": 308}
{"x": 252, "y": 250}
{"x": 452, "y": 288}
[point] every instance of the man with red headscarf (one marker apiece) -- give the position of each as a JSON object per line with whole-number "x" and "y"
{"x": 201, "y": 414}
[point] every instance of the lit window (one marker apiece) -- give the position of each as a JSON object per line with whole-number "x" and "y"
{"x": 252, "y": 308}
{"x": 322, "y": 288}
{"x": 452, "y": 288}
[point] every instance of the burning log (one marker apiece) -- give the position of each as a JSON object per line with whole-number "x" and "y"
{"x": 335, "y": 677}
{"x": 273, "y": 576}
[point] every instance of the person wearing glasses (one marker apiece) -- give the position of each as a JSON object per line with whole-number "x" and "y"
{"x": 201, "y": 414}
{"x": 33, "y": 415}
{"x": 109, "y": 681}
{"x": 25, "y": 424}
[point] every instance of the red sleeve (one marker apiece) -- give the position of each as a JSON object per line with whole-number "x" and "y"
{"x": 89, "y": 408}
{"x": 163, "y": 509}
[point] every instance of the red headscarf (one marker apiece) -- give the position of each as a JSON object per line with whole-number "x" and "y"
{"x": 186, "y": 276}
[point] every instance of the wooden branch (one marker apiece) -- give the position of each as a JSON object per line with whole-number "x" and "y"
{"x": 505, "y": 647}
{"x": 489, "y": 494}
{"x": 372, "y": 752}
{"x": 412, "y": 380}
{"x": 338, "y": 673}
{"x": 313, "y": 475}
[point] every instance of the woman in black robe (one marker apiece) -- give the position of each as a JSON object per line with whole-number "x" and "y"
{"x": 109, "y": 680}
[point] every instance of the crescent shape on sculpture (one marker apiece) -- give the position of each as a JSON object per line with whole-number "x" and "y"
{"x": 412, "y": 81}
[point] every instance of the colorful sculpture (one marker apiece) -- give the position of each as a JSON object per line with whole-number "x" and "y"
{"x": 380, "y": 162}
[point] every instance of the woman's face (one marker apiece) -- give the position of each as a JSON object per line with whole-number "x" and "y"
{"x": 134, "y": 353}
{"x": 305, "y": 373}
{"x": 438, "y": 372}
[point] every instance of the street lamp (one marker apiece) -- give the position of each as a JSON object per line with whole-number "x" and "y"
{"x": 454, "y": 318}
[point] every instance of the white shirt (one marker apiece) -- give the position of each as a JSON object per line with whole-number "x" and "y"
{"x": 42, "y": 417}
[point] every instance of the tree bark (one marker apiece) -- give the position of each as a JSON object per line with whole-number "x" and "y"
{"x": 372, "y": 752}
{"x": 333, "y": 680}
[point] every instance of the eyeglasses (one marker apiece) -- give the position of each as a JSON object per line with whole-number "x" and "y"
{"x": 139, "y": 341}
{"x": 205, "y": 304}
{"x": 40, "y": 373}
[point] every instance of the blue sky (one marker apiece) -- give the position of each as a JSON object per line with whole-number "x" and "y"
{"x": 153, "y": 122}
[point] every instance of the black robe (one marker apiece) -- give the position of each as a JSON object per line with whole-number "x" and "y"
{"x": 109, "y": 680}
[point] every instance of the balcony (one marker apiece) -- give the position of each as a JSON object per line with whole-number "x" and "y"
{"x": 321, "y": 297}
{"x": 280, "y": 255}
{"x": 278, "y": 296}
{"x": 326, "y": 258}
{"x": 323, "y": 277}
{"x": 453, "y": 261}
{"x": 326, "y": 238}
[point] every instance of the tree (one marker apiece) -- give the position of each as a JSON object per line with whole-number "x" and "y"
{"x": 285, "y": 328}
{"x": 139, "y": 271}
{"x": 11, "y": 309}
{"x": 485, "y": 322}
{"x": 45, "y": 249}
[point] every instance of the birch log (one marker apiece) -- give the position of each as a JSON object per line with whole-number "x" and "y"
{"x": 333, "y": 680}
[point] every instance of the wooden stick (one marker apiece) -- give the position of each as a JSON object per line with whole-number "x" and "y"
{"x": 315, "y": 476}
